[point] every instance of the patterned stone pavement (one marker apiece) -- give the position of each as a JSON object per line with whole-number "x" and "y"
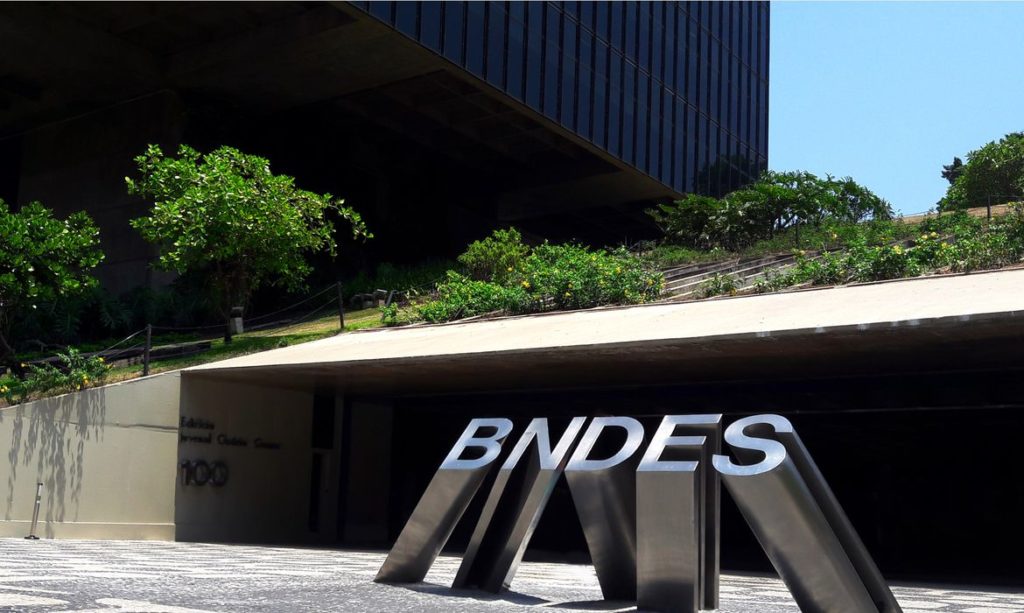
{"x": 158, "y": 577}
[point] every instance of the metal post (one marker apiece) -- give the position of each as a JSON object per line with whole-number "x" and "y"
{"x": 988, "y": 207}
{"x": 35, "y": 513}
{"x": 341, "y": 308}
{"x": 145, "y": 352}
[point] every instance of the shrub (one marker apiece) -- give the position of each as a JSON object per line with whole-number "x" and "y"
{"x": 76, "y": 372}
{"x": 983, "y": 251}
{"x": 882, "y": 263}
{"x": 829, "y": 268}
{"x": 389, "y": 314}
{"x": 719, "y": 284}
{"x": 548, "y": 277}
{"x": 773, "y": 281}
{"x": 459, "y": 297}
{"x": 495, "y": 257}
{"x": 576, "y": 277}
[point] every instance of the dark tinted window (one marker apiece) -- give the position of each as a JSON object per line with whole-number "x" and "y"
{"x": 630, "y": 30}
{"x": 599, "y": 121}
{"x": 496, "y": 43}
{"x": 534, "y": 53}
{"x": 692, "y": 155}
{"x": 430, "y": 25}
{"x": 382, "y": 10}
{"x": 568, "y": 113}
{"x": 601, "y": 20}
{"x": 644, "y": 35}
{"x": 584, "y": 79}
{"x": 516, "y": 49}
{"x": 644, "y": 114}
{"x": 552, "y": 58}
{"x": 454, "y": 31}
{"x": 475, "y": 29}
{"x": 628, "y": 112}
{"x": 669, "y": 69}
{"x": 615, "y": 103}
{"x": 587, "y": 14}
{"x": 406, "y": 14}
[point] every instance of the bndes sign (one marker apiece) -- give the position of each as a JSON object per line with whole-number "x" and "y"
{"x": 651, "y": 519}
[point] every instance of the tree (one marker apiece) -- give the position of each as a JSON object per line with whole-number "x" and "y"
{"x": 775, "y": 202}
{"x": 226, "y": 216}
{"x": 42, "y": 258}
{"x": 992, "y": 174}
{"x": 951, "y": 172}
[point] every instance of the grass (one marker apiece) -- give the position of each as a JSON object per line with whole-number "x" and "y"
{"x": 243, "y": 344}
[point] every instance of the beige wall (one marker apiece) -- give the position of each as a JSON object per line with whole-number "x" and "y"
{"x": 266, "y": 498}
{"x": 106, "y": 458}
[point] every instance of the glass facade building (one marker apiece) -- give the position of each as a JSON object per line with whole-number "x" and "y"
{"x": 677, "y": 90}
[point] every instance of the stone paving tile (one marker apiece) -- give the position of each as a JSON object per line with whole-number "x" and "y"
{"x": 159, "y": 577}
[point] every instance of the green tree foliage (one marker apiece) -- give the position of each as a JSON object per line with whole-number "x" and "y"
{"x": 952, "y": 171}
{"x": 227, "y": 217}
{"x": 778, "y": 200}
{"x": 993, "y": 174}
{"x": 42, "y": 258}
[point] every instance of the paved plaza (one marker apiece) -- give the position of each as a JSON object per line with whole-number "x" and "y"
{"x": 160, "y": 577}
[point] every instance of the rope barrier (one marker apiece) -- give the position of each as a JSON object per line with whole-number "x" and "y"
{"x": 127, "y": 338}
{"x": 288, "y": 308}
{"x": 309, "y": 316}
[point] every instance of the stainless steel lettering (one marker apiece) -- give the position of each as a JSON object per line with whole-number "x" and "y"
{"x": 677, "y": 507}
{"x": 444, "y": 502}
{"x": 604, "y": 492}
{"x": 510, "y": 514}
{"x": 651, "y": 520}
{"x": 798, "y": 521}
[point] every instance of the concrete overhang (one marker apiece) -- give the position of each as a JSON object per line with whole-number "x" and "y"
{"x": 956, "y": 322}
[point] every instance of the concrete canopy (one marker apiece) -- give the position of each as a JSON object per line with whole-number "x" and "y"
{"x": 925, "y": 324}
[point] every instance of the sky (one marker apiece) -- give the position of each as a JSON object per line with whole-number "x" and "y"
{"x": 888, "y": 92}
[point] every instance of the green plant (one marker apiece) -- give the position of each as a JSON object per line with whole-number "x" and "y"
{"x": 572, "y": 276}
{"x": 76, "y": 372}
{"x": 496, "y": 257}
{"x": 773, "y": 281}
{"x": 549, "y": 277}
{"x": 459, "y": 297}
{"x": 829, "y": 268}
{"x": 718, "y": 285}
{"x": 42, "y": 259}
{"x": 389, "y": 314}
{"x": 225, "y": 216}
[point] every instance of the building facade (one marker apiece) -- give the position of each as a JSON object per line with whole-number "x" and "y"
{"x": 678, "y": 90}
{"x": 437, "y": 121}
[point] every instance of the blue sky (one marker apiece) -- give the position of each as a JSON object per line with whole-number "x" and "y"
{"x": 888, "y": 92}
